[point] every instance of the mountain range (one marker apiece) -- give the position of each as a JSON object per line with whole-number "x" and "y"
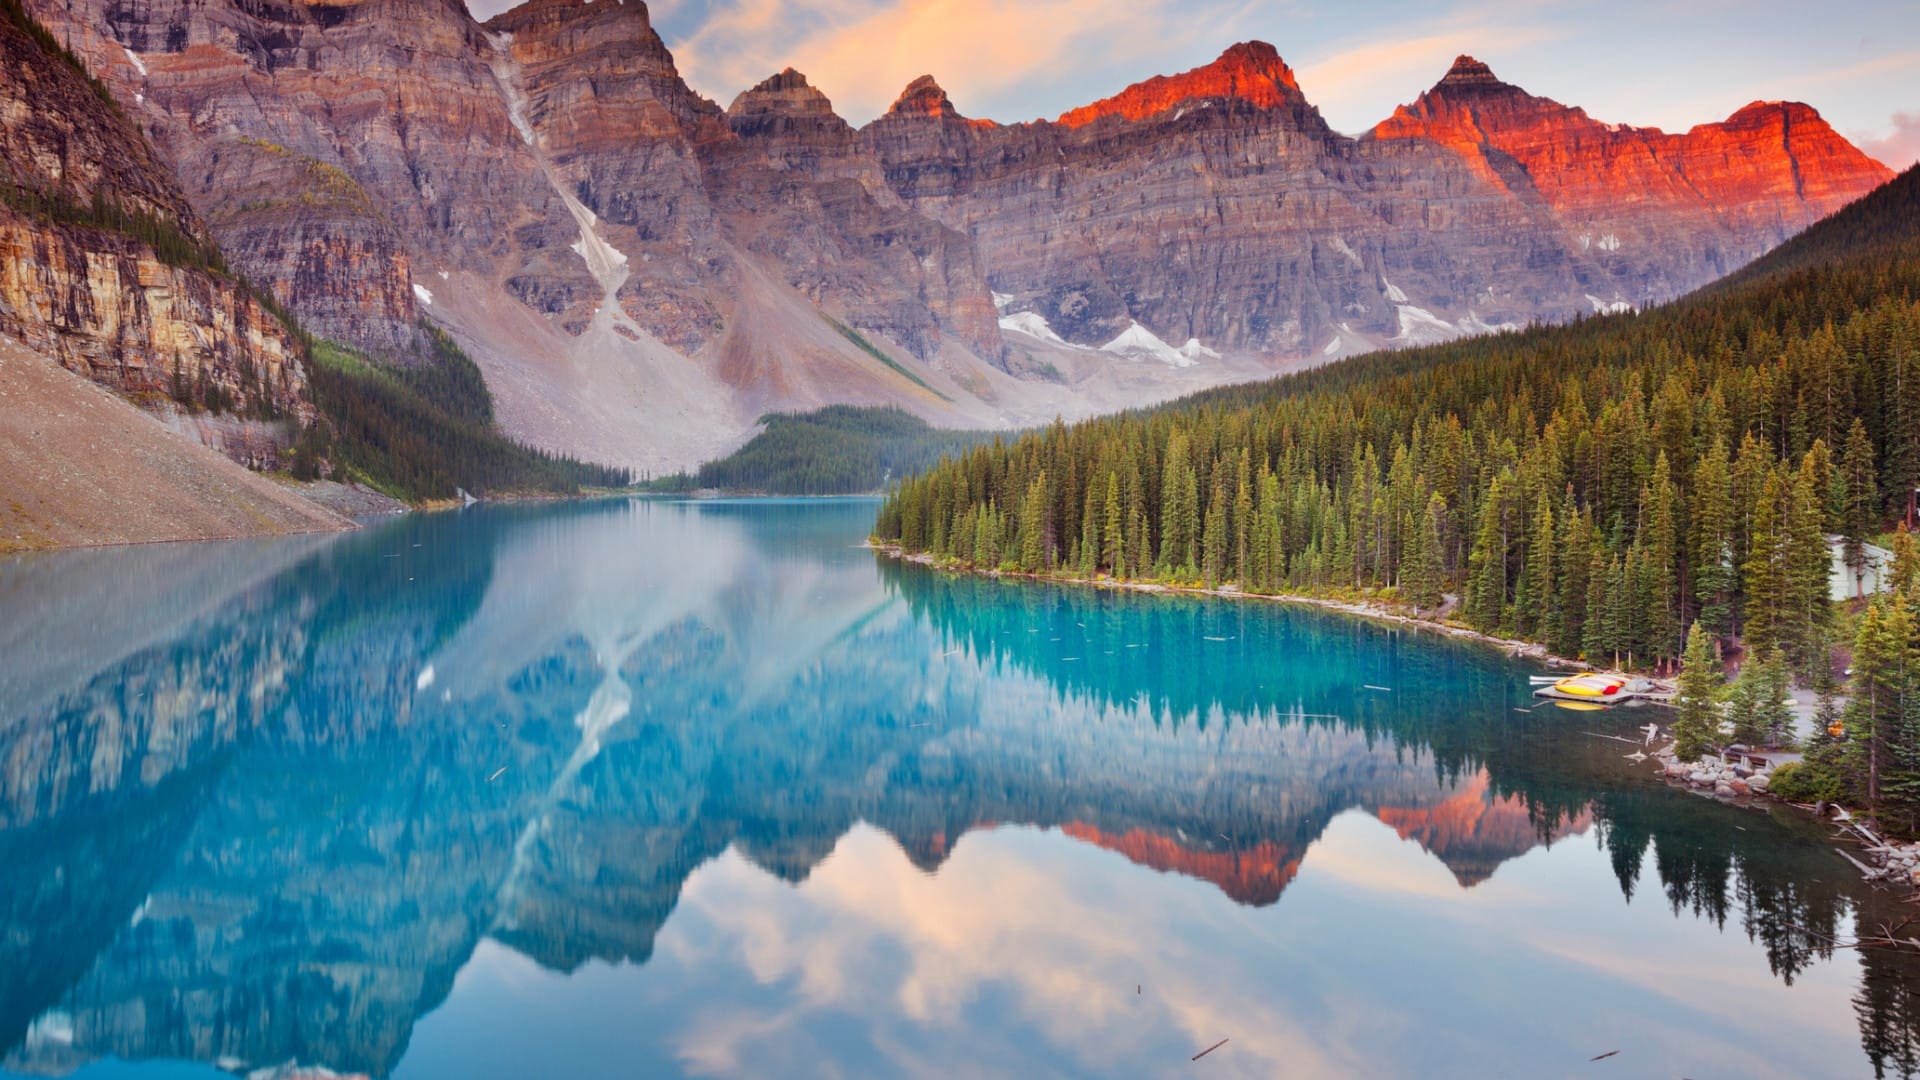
{"x": 642, "y": 274}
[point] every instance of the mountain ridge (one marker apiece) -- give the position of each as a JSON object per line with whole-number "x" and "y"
{"x": 641, "y": 273}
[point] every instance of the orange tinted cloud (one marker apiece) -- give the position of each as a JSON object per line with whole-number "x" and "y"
{"x": 862, "y": 55}
{"x": 1899, "y": 147}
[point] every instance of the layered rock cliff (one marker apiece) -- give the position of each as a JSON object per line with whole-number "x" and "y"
{"x": 104, "y": 265}
{"x": 1653, "y": 214}
{"x": 639, "y": 279}
{"x": 1217, "y": 205}
{"x": 642, "y": 274}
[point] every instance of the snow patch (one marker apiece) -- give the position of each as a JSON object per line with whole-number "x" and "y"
{"x": 1000, "y": 300}
{"x": 420, "y": 293}
{"x": 1609, "y": 307}
{"x": 139, "y": 65}
{"x": 604, "y": 261}
{"x": 1032, "y": 324}
{"x": 1609, "y": 242}
{"x": 1393, "y": 291}
{"x": 1418, "y": 326}
{"x": 516, "y": 99}
{"x": 1340, "y": 245}
{"x": 443, "y": 275}
{"x": 426, "y": 678}
{"x": 1139, "y": 343}
{"x": 1194, "y": 351}
{"x": 1333, "y": 347}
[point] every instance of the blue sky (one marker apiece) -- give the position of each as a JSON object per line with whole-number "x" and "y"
{"x": 1664, "y": 63}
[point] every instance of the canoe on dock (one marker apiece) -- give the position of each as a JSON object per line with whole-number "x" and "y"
{"x": 1603, "y": 688}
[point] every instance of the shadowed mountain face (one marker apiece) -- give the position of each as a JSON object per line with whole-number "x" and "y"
{"x": 272, "y": 814}
{"x": 105, "y": 267}
{"x": 642, "y": 274}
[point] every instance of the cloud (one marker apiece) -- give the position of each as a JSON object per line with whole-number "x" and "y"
{"x": 1371, "y": 77}
{"x": 1899, "y": 147}
{"x": 862, "y": 53}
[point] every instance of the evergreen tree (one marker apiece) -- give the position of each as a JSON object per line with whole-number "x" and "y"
{"x": 1769, "y": 600}
{"x": 1421, "y": 572}
{"x": 1534, "y": 598}
{"x": 1697, "y": 716}
{"x": 1659, "y": 540}
{"x": 1712, "y": 521}
{"x": 1883, "y": 680}
{"x": 1216, "y": 532}
{"x": 1744, "y": 707}
{"x": 1036, "y": 548}
{"x": 1486, "y": 605}
{"x": 1860, "y": 499}
{"x": 1113, "y": 532}
{"x": 1090, "y": 518}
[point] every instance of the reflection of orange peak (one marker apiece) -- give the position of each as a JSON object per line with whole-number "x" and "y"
{"x": 1251, "y": 71}
{"x": 1256, "y": 875}
{"x": 1472, "y": 832}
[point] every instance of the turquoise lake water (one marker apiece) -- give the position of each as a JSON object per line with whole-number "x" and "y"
{"x": 656, "y": 788}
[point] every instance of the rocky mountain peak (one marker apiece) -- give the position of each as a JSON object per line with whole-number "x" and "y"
{"x": 1776, "y": 112}
{"x": 785, "y": 94}
{"x": 923, "y": 97}
{"x": 1250, "y": 71}
{"x": 1466, "y": 71}
{"x": 553, "y": 13}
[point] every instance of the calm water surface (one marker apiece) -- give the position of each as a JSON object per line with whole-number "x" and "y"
{"x": 651, "y": 788}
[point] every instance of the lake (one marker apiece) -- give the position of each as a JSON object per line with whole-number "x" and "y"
{"x": 660, "y": 788}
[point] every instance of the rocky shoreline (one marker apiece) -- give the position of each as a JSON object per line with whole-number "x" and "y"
{"x": 1886, "y": 861}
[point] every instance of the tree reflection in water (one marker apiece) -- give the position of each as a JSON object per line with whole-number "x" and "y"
{"x": 269, "y": 802}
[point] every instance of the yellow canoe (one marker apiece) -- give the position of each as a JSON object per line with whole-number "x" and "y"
{"x": 1591, "y": 685}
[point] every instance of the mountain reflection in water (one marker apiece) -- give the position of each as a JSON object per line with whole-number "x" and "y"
{"x": 642, "y": 787}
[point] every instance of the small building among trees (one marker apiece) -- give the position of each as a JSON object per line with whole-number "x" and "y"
{"x": 1859, "y": 568}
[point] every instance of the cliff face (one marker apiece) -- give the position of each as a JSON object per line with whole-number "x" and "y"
{"x": 848, "y": 235}
{"x": 641, "y": 274}
{"x": 1218, "y": 205}
{"x": 104, "y": 266}
{"x": 638, "y": 279}
{"x": 1653, "y": 214}
{"x": 330, "y": 145}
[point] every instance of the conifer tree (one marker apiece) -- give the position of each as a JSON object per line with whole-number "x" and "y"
{"x": 1714, "y": 576}
{"x": 1860, "y": 497}
{"x": 1696, "y": 722}
{"x": 1574, "y": 563}
{"x": 1487, "y": 587}
{"x": 1743, "y": 707}
{"x": 1113, "y": 533}
{"x": 1216, "y": 532}
{"x": 1660, "y": 544}
{"x": 1421, "y": 573}
{"x": 1768, "y": 595}
{"x": 1533, "y": 597}
{"x": 1035, "y": 545}
{"x": 1090, "y": 517}
{"x": 1808, "y": 562}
